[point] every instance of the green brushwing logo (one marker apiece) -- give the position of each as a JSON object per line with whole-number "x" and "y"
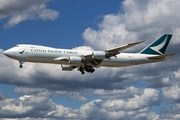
{"x": 21, "y": 52}
{"x": 159, "y": 46}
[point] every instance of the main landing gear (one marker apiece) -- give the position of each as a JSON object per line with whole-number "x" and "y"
{"x": 20, "y": 66}
{"x": 87, "y": 69}
{"x": 81, "y": 69}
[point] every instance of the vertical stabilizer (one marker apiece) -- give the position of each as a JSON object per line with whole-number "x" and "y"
{"x": 158, "y": 47}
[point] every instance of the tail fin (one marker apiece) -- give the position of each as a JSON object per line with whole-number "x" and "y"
{"x": 158, "y": 47}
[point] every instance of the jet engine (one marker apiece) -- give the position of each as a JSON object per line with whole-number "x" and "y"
{"x": 67, "y": 67}
{"x": 98, "y": 55}
{"x": 75, "y": 60}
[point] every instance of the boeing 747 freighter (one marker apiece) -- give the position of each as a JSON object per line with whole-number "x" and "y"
{"x": 87, "y": 61}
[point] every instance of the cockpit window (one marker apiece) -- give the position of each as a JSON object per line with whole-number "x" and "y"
{"x": 17, "y": 45}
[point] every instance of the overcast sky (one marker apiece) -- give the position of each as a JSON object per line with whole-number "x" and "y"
{"x": 44, "y": 91}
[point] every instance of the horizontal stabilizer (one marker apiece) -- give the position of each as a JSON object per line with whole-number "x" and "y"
{"x": 161, "y": 56}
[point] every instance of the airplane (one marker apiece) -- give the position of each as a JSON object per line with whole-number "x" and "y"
{"x": 87, "y": 61}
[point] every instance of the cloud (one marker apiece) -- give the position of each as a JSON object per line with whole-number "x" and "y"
{"x": 148, "y": 98}
{"x": 111, "y": 33}
{"x": 136, "y": 23}
{"x": 170, "y": 112}
{"x": 26, "y": 106}
{"x": 164, "y": 82}
{"x": 85, "y": 48}
{"x": 2, "y": 97}
{"x": 42, "y": 107}
{"x": 20, "y": 10}
{"x": 172, "y": 94}
{"x": 82, "y": 95}
{"x": 117, "y": 94}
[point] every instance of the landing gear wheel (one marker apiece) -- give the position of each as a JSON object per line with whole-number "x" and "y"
{"x": 81, "y": 69}
{"x": 92, "y": 70}
{"x": 20, "y": 66}
{"x": 82, "y": 72}
{"x": 89, "y": 69}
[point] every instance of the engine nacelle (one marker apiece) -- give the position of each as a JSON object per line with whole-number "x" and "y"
{"x": 67, "y": 67}
{"x": 98, "y": 55}
{"x": 75, "y": 60}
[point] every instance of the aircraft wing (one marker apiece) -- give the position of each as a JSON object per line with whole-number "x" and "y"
{"x": 108, "y": 53}
{"x": 117, "y": 49}
{"x": 96, "y": 57}
{"x": 114, "y": 51}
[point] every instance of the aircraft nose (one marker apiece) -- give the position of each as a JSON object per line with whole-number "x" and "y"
{"x": 9, "y": 53}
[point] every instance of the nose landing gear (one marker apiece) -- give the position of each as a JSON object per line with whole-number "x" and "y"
{"x": 20, "y": 66}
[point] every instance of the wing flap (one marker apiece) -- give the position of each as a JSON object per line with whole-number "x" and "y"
{"x": 162, "y": 56}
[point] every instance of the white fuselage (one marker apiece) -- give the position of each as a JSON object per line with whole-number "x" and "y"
{"x": 42, "y": 54}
